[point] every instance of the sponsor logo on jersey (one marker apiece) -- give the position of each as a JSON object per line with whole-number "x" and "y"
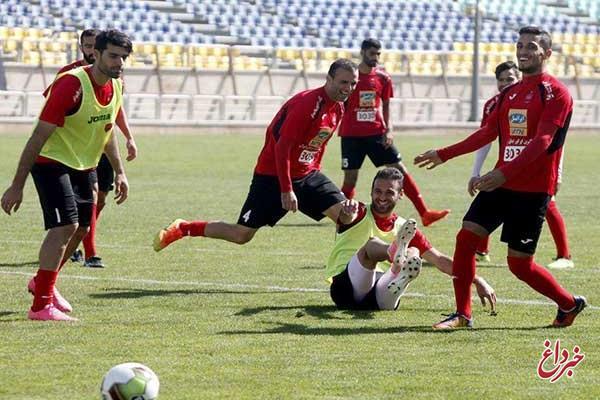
{"x": 96, "y": 118}
{"x": 367, "y": 98}
{"x": 321, "y": 137}
{"x": 313, "y": 115}
{"x": 548, "y": 88}
{"x": 517, "y": 121}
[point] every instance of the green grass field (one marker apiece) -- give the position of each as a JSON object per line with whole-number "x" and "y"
{"x": 216, "y": 320}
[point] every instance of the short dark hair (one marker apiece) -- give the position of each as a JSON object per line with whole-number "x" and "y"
{"x": 114, "y": 37}
{"x": 88, "y": 33}
{"x": 545, "y": 38}
{"x": 389, "y": 174}
{"x": 370, "y": 43}
{"x": 342, "y": 63}
{"x": 505, "y": 66}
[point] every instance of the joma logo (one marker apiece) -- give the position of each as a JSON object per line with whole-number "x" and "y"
{"x": 96, "y": 118}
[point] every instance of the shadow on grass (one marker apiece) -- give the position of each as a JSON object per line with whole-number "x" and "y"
{"x": 317, "y": 311}
{"x": 313, "y": 267}
{"x": 115, "y": 293}
{"x": 5, "y": 314}
{"x": 20, "y": 264}
{"x": 304, "y": 225}
{"x": 299, "y": 329}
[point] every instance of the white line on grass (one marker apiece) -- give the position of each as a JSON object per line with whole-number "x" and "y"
{"x": 264, "y": 287}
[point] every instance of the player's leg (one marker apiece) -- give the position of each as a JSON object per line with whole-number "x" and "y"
{"x": 353, "y": 155}
{"x": 57, "y": 199}
{"x": 318, "y": 197}
{"x": 262, "y": 207}
{"x": 482, "y": 254}
{"x": 521, "y": 231}
{"x": 393, "y": 283}
{"x": 483, "y": 217}
{"x": 558, "y": 229}
{"x": 105, "y": 184}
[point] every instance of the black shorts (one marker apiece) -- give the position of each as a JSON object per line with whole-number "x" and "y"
{"x": 315, "y": 193}
{"x": 106, "y": 175}
{"x": 522, "y": 214}
{"x": 65, "y": 194}
{"x": 342, "y": 293}
{"x": 354, "y": 150}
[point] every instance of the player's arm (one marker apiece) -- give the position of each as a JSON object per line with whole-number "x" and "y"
{"x": 121, "y": 185}
{"x": 480, "y": 156}
{"x": 444, "y": 264}
{"x": 123, "y": 125}
{"x": 385, "y": 109}
{"x": 297, "y": 121}
{"x": 13, "y": 196}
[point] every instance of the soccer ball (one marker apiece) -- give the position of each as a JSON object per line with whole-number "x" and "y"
{"x": 129, "y": 381}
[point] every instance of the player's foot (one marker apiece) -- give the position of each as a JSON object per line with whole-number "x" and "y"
{"x": 408, "y": 273}
{"x": 482, "y": 257}
{"x": 431, "y": 216}
{"x": 454, "y": 321}
{"x": 93, "y": 262}
{"x": 57, "y": 300}
{"x": 49, "y": 313}
{"x": 566, "y": 318}
{"x": 168, "y": 235}
{"x": 406, "y": 233}
{"x": 562, "y": 263}
{"x": 77, "y": 256}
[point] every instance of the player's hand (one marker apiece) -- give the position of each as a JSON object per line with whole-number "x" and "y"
{"x": 289, "y": 202}
{"x": 348, "y": 212}
{"x": 485, "y": 292}
{"x": 429, "y": 159}
{"x": 131, "y": 149}
{"x": 490, "y": 181}
{"x": 121, "y": 188}
{"x": 11, "y": 199}
{"x": 471, "y": 186}
{"x": 388, "y": 139}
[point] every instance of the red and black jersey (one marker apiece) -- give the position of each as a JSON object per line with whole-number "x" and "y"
{"x": 296, "y": 138}
{"x": 531, "y": 120}
{"x": 363, "y": 115}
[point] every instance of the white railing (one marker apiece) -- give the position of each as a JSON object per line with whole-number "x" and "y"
{"x": 167, "y": 109}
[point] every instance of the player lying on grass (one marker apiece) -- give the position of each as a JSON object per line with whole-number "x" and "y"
{"x": 359, "y": 264}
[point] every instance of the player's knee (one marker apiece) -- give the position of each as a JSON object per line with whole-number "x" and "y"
{"x": 243, "y": 236}
{"x": 519, "y": 267}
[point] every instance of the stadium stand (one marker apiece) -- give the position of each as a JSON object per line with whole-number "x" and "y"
{"x": 421, "y": 39}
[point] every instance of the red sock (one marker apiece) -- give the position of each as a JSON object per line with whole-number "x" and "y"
{"x": 484, "y": 245}
{"x": 89, "y": 241}
{"x": 44, "y": 289}
{"x": 193, "y": 228}
{"x": 556, "y": 223}
{"x": 412, "y": 192}
{"x": 349, "y": 191}
{"x": 463, "y": 269}
{"x": 541, "y": 280}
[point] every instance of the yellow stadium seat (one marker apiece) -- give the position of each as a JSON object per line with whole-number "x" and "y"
{"x": 31, "y": 57}
{"x": 309, "y": 54}
{"x": 4, "y": 34}
{"x": 17, "y": 33}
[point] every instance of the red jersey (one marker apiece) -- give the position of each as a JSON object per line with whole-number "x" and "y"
{"x": 488, "y": 108}
{"x": 386, "y": 225}
{"x": 531, "y": 119}
{"x": 363, "y": 115}
{"x": 68, "y": 67}
{"x": 296, "y": 138}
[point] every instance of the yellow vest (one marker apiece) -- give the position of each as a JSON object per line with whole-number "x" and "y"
{"x": 348, "y": 242}
{"x": 80, "y": 142}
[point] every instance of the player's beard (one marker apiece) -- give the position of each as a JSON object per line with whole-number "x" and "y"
{"x": 112, "y": 73}
{"x": 89, "y": 58}
{"x": 370, "y": 63}
{"x": 383, "y": 209}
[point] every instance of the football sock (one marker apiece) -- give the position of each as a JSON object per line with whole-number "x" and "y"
{"x": 89, "y": 241}
{"x": 541, "y": 280}
{"x": 556, "y": 223}
{"x": 349, "y": 191}
{"x": 463, "y": 269}
{"x": 412, "y": 192}
{"x": 193, "y": 228}
{"x": 484, "y": 245}
{"x": 44, "y": 289}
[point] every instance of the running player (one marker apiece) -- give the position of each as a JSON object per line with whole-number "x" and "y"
{"x": 359, "y": 266}
{"x": 365, "y": 130}
{"x": 74, "y": 128}
{"x": 531, "y": 119}
{"x": 287, "y": 175}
